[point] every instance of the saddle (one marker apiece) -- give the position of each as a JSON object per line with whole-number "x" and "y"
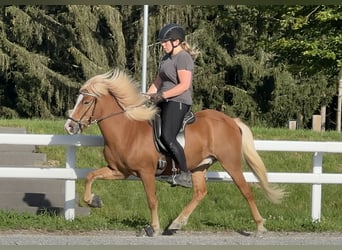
{"x": 156, "y": 124}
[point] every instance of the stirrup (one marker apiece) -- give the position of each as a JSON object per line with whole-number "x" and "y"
{"x": 174, "y": 173}
{"x": 162, "y": 164}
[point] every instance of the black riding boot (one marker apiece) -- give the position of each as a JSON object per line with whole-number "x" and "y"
{"x": 183, "y": 179}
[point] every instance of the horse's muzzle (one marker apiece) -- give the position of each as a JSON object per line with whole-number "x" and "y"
{"x": 71, "y": 127}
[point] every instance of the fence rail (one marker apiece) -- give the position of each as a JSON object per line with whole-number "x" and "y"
{"x": 70, "y": 173}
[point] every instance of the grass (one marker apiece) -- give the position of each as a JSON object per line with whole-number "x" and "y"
{"x": 223, "y": 209}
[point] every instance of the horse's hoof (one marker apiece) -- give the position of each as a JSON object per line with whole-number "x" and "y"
{"x": 175, "y": 225}
{"x": 169, "y": 231}
{"x": 147, "y": 231}
{"x": 96, "y": 202}
{"x": 260, "y": 233}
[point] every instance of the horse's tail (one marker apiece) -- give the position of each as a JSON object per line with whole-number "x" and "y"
{"x": 256, "y": 164}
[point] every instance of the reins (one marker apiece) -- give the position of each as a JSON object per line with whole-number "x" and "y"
{"x": 107, "y": 116}
{"x": 124, "y": 110}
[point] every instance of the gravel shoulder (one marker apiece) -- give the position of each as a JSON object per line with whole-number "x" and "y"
{"x": 183, "y": 238}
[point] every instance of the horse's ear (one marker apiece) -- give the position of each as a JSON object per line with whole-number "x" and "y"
{"x": 84, "y": 91}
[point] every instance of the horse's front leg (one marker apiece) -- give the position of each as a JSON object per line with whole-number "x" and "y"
{"x": 149, "y": 183}
{"x": 104, "y": 173}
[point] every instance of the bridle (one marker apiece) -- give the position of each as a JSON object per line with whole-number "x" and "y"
{"x": 93, "y": 103}
{"x": 91, "y": 119}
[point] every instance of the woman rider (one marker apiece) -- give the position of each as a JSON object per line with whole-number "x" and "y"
{"x": 172, "y": 91}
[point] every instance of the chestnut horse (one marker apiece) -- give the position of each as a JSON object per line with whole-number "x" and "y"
{"x": 113, "y": 101}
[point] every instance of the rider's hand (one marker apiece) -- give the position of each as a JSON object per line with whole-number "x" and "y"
{"x": 157, "y": 97}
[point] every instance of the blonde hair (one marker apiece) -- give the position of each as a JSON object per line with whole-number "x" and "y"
{"x": 193, "y": 51}
{"x": 120, "y": 85}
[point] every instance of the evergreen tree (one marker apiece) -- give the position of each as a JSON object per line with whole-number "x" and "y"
{"x": 265, "y": 64}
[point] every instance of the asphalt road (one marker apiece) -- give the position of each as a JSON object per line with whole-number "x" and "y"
{"x": 182, "y": 238}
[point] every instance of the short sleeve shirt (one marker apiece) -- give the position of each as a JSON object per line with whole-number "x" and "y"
{"x": 168, "y": 73}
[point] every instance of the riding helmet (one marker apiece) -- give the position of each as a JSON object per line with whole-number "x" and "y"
{"x": 171, "y": 32}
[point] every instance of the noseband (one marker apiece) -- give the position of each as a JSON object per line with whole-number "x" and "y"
{"x": 92, "y": 104}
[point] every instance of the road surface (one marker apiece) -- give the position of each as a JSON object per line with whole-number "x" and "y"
{"x": 182, "y": 238}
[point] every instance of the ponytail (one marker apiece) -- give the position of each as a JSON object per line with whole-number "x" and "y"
{"x": 192, "y": 51}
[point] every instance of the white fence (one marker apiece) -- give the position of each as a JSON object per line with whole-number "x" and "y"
{"x": 70, "y": 173}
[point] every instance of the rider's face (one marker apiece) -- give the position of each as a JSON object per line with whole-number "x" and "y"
{"x": 167, "y": 46}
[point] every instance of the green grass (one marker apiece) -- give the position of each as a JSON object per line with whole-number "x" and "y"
{"x": 223, "y": 209}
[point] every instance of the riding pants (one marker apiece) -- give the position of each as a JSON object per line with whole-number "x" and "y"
{"x": 172, "y": 116}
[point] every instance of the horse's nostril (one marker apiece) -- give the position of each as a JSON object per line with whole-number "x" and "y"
{"x": 69, "y": 128}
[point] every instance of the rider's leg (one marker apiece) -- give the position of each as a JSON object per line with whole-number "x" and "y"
{"x": 172, "y": 115}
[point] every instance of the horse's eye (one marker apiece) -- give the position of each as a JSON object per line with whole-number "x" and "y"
{"x": 86, "y": 102}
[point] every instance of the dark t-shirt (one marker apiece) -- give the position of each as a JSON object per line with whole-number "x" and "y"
{"x": 168, "y": 73}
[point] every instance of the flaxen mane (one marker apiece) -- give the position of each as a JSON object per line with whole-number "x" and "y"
{"x": 118, "y": 84}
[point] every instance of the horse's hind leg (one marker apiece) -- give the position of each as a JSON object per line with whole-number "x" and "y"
{"x": 246, "y": 191}
{"x": 199, "y": 192}
{"x": 104, "y": 173}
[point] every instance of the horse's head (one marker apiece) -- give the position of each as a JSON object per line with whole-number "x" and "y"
{"x": 106, "y": 96}
{"x": 81, "y": 116}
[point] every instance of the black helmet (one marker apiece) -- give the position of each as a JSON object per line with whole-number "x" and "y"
{"x": 171, "y": 32}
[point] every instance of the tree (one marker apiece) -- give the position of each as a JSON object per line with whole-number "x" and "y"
{"x": 309, "y": 44}
{"x": 253, "y": 61}
{"x": 45, "y": 52}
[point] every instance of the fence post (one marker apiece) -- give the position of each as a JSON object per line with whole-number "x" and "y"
{"x": 70, "y": 185}
{"x": 317, "y": 188}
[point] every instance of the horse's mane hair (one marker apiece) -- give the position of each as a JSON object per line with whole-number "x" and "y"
{"x": 120, "y": 85}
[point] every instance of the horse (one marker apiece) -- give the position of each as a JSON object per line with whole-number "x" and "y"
{"x": 113, "y": 101}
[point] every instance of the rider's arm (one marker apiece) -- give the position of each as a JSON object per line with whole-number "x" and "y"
{"x": 184, "y": 77}
{"x": 155, "y": 86}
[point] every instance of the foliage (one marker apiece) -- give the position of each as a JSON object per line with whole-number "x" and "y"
{"x": 265, "y": 64}
{"x": 309, "y": 45}
{"x": 311, "y": 36}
